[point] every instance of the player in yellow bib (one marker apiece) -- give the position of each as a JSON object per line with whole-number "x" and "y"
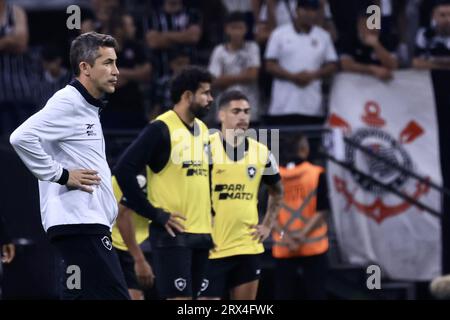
{"x": 128, "y": 233}
{"x": 240, "y": 164}
{"x": 175, "y": 151}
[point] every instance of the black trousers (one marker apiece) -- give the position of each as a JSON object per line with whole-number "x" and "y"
{"x": 301, "y": 278}
{"x": 90, "y": 268}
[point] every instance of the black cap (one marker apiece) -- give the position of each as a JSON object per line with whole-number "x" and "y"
{"x": 310, "y": 4}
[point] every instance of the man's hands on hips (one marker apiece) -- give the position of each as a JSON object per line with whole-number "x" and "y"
{"x": 260, "y": 232}
{"x": 82, "y": 179}
{"x": 174, "y": 224}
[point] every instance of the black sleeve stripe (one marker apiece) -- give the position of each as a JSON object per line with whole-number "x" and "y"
{"x": 270, "y": 180}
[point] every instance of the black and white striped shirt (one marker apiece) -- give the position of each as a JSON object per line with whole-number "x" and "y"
{"x": 163, "y": 22}
{"x": 16, "y": 70}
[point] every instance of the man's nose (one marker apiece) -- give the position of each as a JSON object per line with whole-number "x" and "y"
{"x": 115, "y": 71}
{"x": 243, "y": 116}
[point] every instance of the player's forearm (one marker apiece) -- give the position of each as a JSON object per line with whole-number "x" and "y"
{"x": 135, "y": 158}
{"x": 125, "y": 174}
{"x": 274, "y": 204}
{"x": 128, "y": 232}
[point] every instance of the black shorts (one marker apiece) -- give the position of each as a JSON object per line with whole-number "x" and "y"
{"x": 127, "y": 264}
{"x": 179, "y": 270}
{"x": 90, "y": 268}
{"x": 224, "y": 274}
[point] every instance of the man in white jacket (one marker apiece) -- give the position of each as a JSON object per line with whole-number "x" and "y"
{"x": 63, "y": 146}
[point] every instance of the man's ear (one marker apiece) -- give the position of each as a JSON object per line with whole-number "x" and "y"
{"x": 188, "y": 96}
{"x": 85, "y": 68}
{"x": 221, "y": 114}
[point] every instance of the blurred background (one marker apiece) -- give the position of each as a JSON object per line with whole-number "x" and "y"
{"x": 242, "y": 42}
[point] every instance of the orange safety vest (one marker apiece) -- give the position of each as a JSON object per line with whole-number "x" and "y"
{"x": 299, "y": 205}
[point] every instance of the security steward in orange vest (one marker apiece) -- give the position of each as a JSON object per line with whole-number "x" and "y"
{"x": 300, "y": 237}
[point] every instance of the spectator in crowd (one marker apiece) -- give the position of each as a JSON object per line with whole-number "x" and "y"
{"x": 235, "y": 63}
{"x": 433, "y": 42}
{"x": 300, "y": 237}
{"x": 161, "y": 100}
{"x": 135, "y": 69}
{"x": 274, "y": 13}
{"x": 299, "y": 55}
{"x": 368, "y": 53}
{"x": 16, "y": 73}
{"x": 99, "y": 18}
{"x": 180, "y": 232}
{"x": 246, "y": 8}
{"x": 172, "y": 26}
{"x": 213, "y": 13}
{"x": 54, "y": 75}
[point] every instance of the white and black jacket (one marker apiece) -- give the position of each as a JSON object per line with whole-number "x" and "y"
{"x": 65, "y": 135}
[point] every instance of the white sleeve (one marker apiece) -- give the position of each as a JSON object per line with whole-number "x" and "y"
{"x": 215, "y": 67}
{"x": 330, "y": 51}
{"x": 271, "y": 165}
{"x": 254, "y": 57}
{"x": 273, "y": 47}
{"x": 52, "y": 123}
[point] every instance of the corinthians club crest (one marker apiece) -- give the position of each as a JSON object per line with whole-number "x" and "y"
{"x": 361, "y": 193}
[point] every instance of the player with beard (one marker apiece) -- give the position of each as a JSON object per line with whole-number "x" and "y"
{"x": 175, "y": 151}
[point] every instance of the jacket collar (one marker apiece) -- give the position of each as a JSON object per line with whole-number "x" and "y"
{"x": 86, "y": 95}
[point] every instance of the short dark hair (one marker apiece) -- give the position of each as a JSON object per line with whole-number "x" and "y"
{"x": 235, "y": 16}
{"x": 85, "y": 48}
{"x": 189, "y": 79}
{"x": 231, "y": 95}
{"x": 290, "y": 145}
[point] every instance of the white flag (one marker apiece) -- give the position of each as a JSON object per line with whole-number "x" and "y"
{"x": 396, "y": 120}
